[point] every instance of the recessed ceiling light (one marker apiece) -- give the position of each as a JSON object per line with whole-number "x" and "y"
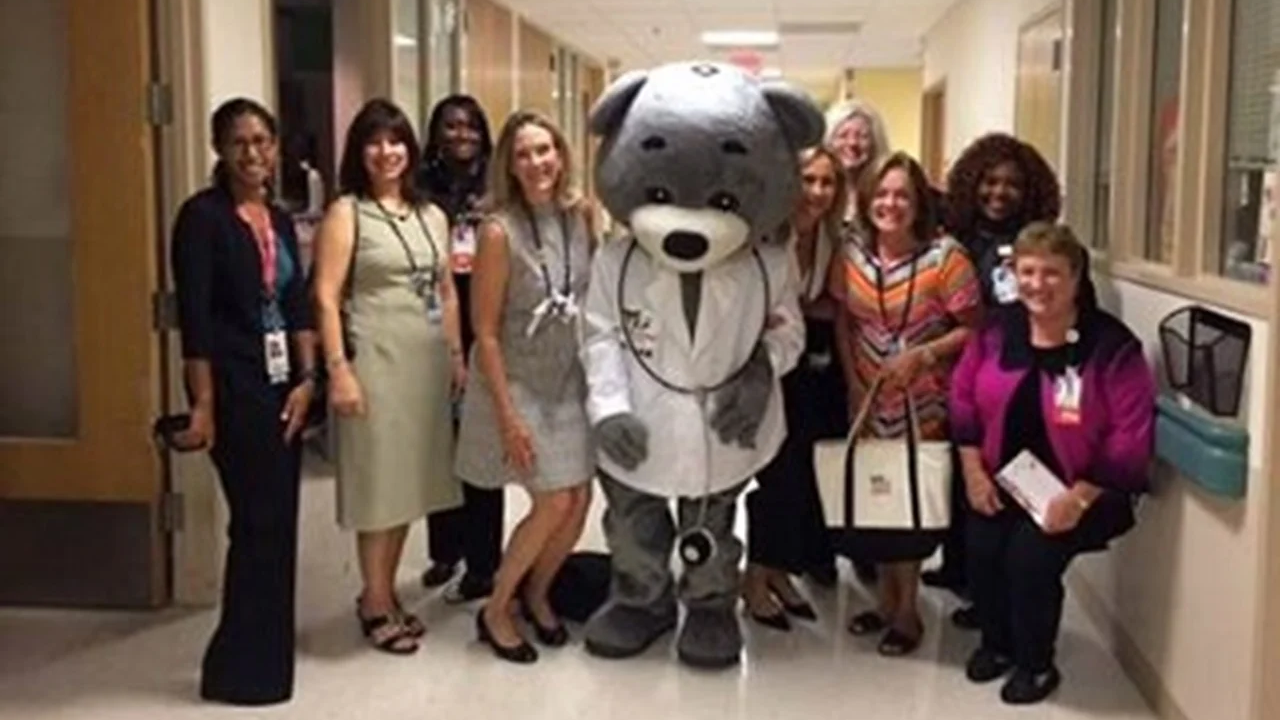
{"x": 406, "y": 41}
{"x": 770, "y": 73}
{"x": 740, "y": 38}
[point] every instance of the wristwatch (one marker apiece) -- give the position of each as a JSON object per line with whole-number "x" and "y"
{"x": 309, "y": 374}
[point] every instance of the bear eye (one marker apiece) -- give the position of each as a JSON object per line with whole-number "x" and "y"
{"x": 658, "y": 195}
{"x": 724, "y": 201}
{"x": 654, "y": 142}
{"x": 733, "y": 147}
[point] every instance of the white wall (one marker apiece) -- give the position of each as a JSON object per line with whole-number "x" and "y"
{"x": 236, "y": 45}
{"x": 975, "y": 48}
{"x": 1183, "y": 588}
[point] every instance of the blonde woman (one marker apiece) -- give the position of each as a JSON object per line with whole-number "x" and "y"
{"x": 528, "y": 390}
{"x": 785, "y": 530}
{"x": 857, "y": 134}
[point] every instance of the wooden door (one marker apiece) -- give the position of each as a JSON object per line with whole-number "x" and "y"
{"x": 80, "y": 481}
{"x": 1038, "y": 119}
{"x": 489, "y": 58}
{"x": 933, "y": 128}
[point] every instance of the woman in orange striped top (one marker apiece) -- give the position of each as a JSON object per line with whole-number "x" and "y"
{"x": 908, "y": 303}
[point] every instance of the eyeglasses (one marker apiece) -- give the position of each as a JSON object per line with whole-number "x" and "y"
{"x": 242, "y": 145}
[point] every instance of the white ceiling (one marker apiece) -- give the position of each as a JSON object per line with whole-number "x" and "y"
{"x": 643, "y": 33}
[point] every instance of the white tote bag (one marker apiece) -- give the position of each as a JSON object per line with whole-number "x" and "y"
{"x": 874, "y": 484}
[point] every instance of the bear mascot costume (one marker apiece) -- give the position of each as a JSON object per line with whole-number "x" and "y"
{"x": 689, "y": 323}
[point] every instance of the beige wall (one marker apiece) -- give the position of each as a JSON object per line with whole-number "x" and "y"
{"x": 975, "y": 48}
{"x": 896, "y": 93}
{"x": 1182, "y": 592}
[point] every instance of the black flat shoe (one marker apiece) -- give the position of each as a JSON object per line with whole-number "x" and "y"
{"x": 554, "y": 637}
{"x": 965, "y": 618}
{"x": 777, "y": 621}
{"x": 438, "y": 574}
{"x": 896, "y": 643}
{"x": 468, "y": 589}
{"x": 522, "y": 654}
{"x": 1027, "y": 688}
{"x": 986, "y": 665}
{"x": 866, "y": 623}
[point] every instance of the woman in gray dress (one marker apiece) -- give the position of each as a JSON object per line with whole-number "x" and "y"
{"x": 389, "y": 324}
{"x": 530, "y": 271}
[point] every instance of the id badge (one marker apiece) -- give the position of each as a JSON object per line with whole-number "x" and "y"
{"x": 1004, "y": 285}
{"x": 1067, "y": 390}
{"x": 276, "y": 350}
{"x": 435, "y": 313}
{"x": 463, "y": 248}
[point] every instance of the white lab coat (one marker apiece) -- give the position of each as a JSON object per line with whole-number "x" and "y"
{"x": 686, "y": 458}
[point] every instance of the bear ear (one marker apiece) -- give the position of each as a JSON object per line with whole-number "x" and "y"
{"x": 612, "y": 106}
{"x": 801, "y": 120}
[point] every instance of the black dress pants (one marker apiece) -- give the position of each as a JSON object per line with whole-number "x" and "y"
{"x": 250, "y": 658}
{"x": 1015, "y": 574}
{"x": 472, "y": 531}
{"x": 785, "y": 525}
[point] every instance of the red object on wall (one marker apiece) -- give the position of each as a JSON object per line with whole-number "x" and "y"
{"x": 749, "y": 60}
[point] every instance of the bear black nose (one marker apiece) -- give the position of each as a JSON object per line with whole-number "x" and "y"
{"x": 683, "y": 245}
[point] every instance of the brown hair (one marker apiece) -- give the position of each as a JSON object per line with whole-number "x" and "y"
{"x": 504, "y": 188}
{"x": 1046, "y": 238}
{"x": 833, "y": 218}
{"x": 926, "y": 223}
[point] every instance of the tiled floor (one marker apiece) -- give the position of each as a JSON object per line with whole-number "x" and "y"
{"x": 143, "y": 666}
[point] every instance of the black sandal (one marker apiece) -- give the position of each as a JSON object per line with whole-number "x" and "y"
{"x": 411, "y": 623}
{"x": 866, "y": 623}
{"x": 393, "y": 643}
{"x": 897, "y": 643}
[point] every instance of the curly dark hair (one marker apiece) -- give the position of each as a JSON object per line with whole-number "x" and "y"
{"x": 1041, "y": 195}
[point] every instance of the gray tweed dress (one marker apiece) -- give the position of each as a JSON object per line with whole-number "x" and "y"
{"x": 545, "y": 376}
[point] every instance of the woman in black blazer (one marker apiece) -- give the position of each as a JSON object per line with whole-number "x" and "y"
{"x": 249, "y": 351}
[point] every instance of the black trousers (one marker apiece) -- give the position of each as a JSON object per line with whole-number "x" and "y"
{"x": 1015, "y": 574}
{"x": 785, "y": 526}
{"x": 472, "y": 531}
{"x": 955, "y": 542}
{"x": 250, "y": 658}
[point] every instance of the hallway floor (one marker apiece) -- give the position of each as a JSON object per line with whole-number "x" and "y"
{"x": 109, "y": 666}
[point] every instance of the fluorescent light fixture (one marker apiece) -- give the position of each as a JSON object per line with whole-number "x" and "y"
{"x": 405, "y": 41}
{"x": 770, "y": 73}
{"x": 740, "y": 38}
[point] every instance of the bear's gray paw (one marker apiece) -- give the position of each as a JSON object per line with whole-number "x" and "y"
{"x": 711, "y": 639}
{"x": 623, "y": 631}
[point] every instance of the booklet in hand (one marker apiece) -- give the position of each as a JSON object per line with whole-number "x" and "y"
{"x": 1031, "y": 483}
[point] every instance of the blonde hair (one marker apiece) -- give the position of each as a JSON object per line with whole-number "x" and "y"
{"x": 843, "y": 112}
{"x": 504, "y": 187}
{"x": 1046, "y": 238}
{"x": 833, "y": 218}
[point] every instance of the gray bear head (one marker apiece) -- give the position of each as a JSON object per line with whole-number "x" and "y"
{"x": 700, "y": 158}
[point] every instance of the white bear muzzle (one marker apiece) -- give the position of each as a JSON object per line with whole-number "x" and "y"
{"x": 688, "y": 239}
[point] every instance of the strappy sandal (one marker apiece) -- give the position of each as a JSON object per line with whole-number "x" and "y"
{"x": 411, "y": 623}
{"x": 897, "y": 643}
{"x": 866, "y": 623}
{"x": 393, "y": 643}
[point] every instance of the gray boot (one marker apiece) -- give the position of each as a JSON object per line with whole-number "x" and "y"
{"x": 623, "y": 631}
{"x": 710, "y": 639}
{"x": 642, "y": 604}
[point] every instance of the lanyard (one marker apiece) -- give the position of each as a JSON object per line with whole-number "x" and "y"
{"x": 906, "y": 306}
{"x": 264, "y": 236}
{"x": 423, "y": 280}
{"x": 549, "y": 287}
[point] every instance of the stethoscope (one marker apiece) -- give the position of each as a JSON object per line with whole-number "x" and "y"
{"x": 697, "y": 545}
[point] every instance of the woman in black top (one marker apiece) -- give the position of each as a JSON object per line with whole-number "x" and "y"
{"x": 249, "y": 352}
{"x": 455, "y": 159}
{"x": 997, "y": 187}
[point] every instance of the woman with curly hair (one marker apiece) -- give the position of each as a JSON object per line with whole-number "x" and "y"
{"x": 997, "y": 187}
